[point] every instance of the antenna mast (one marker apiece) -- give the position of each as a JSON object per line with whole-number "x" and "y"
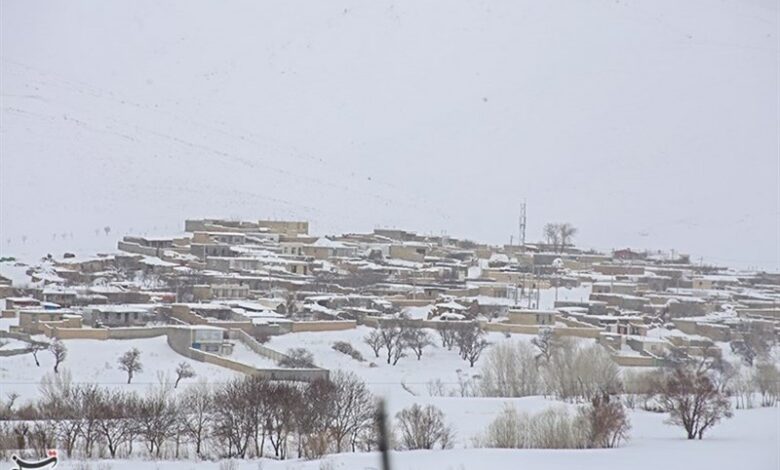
{"x": 521, "y": 224}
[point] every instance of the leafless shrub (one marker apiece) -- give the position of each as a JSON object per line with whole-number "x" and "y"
{"x": 510, "y": 370}
{"x": 606, "y": 422}
{"x": 581, "y": 373}
{"x": 436, "y": 388}
{"x": 554, "y": 428}
{"x": 423, "y": 428}
{"x": 346, "y": 348}
{"x": 297, "y": 358}
{"x": 229, "y": 464}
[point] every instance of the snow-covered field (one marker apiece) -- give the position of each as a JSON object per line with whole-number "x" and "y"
{"x": 408, "y": 381}
{"x": 95, "y": 361}
{"x": 747, "y": 441}
{"x": 383, "y": 378}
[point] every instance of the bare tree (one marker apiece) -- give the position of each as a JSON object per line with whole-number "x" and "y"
{"x": 418, "y": 339}
{"x": 314, "y": 418}
{"x": 353, "y": 409}
{"x": 59, "y": 351}
{"x": 552, "y": 236}
{"x": 767, "y": 380}
{"x": 393, "y": 334}
{"x": 89, "y": 411}
{"x": 157, "y": 418}
{"x": 35, "y": 348}
{"x": 113, "y": 423}
{"x": 692, "y": 399}
{"x": 198, "y": 410}
{"x": 559, "y": 235}
{"x": 423, "y": 428}
{"x": 183, "y": 371}
{"x": 280, "y": 422}
{"x": 471, "y": 342}
{"x": 61, "y": 400}
{"x": 545, "y": 343}
{"x": 130, "y": 362}
{"x": 755, "y": 343}
{"x": 375, "y": 341}
{"x": 107, "y": 229}
{"x": 235, "y": 420}
{"x": 567, "y": 233}
{"x": 447, "y": 334}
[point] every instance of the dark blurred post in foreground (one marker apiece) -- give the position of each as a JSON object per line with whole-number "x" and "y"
{"x": 384, "y": 441}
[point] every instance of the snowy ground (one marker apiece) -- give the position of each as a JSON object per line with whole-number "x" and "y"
{"x": 385, "y": 379}
{"x": 749, "y": 440}
{"x": 95, "y": 361}
{"x": 242, "y": 353}
{"x": 408, "y": 381}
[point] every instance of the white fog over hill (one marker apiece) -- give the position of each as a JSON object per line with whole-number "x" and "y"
{"x": 645, "y": 123}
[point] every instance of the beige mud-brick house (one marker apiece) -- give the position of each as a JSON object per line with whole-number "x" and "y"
{"x": 532, "y": 317}
{"x": 285, "y": 227}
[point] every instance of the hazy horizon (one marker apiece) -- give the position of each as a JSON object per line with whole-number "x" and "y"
{"x": 646, "y": 124}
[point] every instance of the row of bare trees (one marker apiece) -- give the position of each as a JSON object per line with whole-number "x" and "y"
{"x": 396, "y": 337}
{"x": 245, "y": 417}
{"x": 548, "y": 366}
{"x": 696, "y": 391}
{"x": 602, "y": 423}
{"x": 559, "y": 235}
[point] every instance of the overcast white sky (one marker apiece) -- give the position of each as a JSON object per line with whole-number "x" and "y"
{"x": 651, "y": 124}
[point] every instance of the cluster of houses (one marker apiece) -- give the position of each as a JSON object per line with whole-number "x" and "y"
{"x": 271, "y": 277}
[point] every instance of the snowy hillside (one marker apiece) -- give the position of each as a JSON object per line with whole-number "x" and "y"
{"x": 660, "y": 116}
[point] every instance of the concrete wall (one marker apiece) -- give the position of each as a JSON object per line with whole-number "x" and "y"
{"x": 511, "y": 328}
{"x": 637, "y": 361}
{"x": 255, "y": 345}
{"x": 74, "y": 333}
{"x": 335, "y": 325}
{"x": 53, "y": 331}
{"x": 179, "y": 341}
{"x": 403, "y": 302}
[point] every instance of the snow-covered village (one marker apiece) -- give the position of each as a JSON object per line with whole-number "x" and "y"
{"x": 389, "y": 235}
{"x": 257, "y": 339}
